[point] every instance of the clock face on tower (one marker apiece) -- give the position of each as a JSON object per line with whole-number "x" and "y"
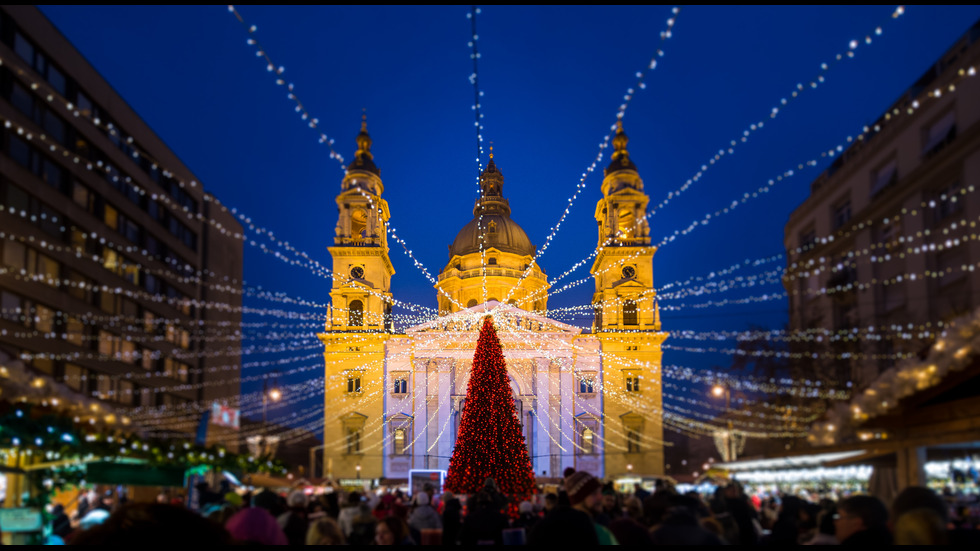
{"x": 357, "y": 272}
{"x": 629, "y": 272}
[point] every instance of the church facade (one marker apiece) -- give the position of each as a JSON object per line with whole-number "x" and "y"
{"x": 588, "y": 399}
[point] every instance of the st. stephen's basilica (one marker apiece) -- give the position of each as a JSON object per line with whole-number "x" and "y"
{"x": 588, "y": 399}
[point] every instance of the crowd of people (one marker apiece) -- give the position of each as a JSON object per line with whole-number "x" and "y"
{"x": 582, "y": 510}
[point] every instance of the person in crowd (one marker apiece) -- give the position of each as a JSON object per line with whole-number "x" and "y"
{"x": 325, "y": 531}
{"x": 917, "y": 497}
{"x": 363, "y": 526}
{"x": 384, "y": 506}
{"x": 719, "y": 512}
{"x": 142, "y": 524}
{"x": 424, "y": 516}
{"x": 922, "y": 526}
{"x": 680, "y": 525}
{"x": 452, "y": 519}
{"x": 639, "y": 492}
{"x": 83, "y": 505}
{"x": 526, "y": 517}
{"x": 392, "y": 531}
{"x": 295, "y": 521}
{"x": 585, "y": 494}
{"x": 610, "y": 507}
{"x": 808, "y": 521}
{"x": 633, "y": 508}
{"x": 331, "y": 503}
{"x": 60, "y": 523}
{"x": 347, "y": 514}
{"x": 550, "y": 503}
{"x": 786, "y": 529}
{"x": 741, "y": 509}
{"x": 562, "y": 494}
{"x": 655, "y": 507}
{"x": 270, "y": 501}
{"x": 484, "y": 522}
{"x": 629, "y": 531}
{"x": 563, "y": 526}
{"x": 825, "y": 534}
{"x": 256, "y": 526}
{"x": 862, "y": 520}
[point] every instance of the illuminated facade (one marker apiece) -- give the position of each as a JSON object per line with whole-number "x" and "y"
{"x": 393, "y": 401}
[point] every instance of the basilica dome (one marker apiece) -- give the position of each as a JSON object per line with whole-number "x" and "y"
{"x": 491, "y": 219}
{"x": 499, "y": 232}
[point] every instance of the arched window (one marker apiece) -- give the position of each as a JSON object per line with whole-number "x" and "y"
{"x": 471, "y": 303}
{"x": 358, "y": 223}
{"x": 355, "y": 313}
{"x": 629, "y": 312}
{"x": 492, "y": 262}
{"x": 398, "y": 442}
{"x": 597, "y": 310}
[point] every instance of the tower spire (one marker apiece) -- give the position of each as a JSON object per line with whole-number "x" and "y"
{"x": 363, "y": 158}
{"x": 620, "y": 159}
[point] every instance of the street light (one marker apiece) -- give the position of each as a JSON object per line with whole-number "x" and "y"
{"x": 274, "y": 394}
{"x": 719, "y": 390}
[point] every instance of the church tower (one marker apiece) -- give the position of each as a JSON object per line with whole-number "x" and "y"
{"x": 627, "y": 321}
{"x": 359, "y": 323}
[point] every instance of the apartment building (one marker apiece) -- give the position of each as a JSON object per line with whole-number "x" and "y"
{"x": 884, "y": 250}
{"x": 122, "y": 276}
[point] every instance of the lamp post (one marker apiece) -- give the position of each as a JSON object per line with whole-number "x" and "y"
{"x": 719, "y": 390}
{"x": 268, "y": 394}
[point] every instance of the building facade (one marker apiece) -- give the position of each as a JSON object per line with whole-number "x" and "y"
{"x": 121, "y": 277}
{"x": 585, "y": 399}
{"x": 884, "y": 250}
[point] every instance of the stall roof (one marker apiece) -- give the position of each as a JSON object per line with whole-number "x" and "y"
{"x": 794, "y": 462}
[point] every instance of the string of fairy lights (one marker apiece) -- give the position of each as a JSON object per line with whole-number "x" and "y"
{"x": 688, "y": 424}
{"x": 797, "y": 90}
{"x": 580, "y": 186}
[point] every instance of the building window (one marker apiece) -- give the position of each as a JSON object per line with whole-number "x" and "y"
{"x": 492, "y": 262}
{"x": 75, "y": 331}
{"x": 398, "y": 442}
{"x": 353, "y": 440}
{"x": 632, "y": 381}
{"x": 355, "y": 313}
{"x": 597, "y": 313}
{"x": 588, "y": 441}
{"x": 842, "y": 214}
{"x": 629, "y": 313}
{"x": 400, "y": 384}
{"x": 75, "y": 377}
{"x": 808, "y": 238}
{"x": 354, "y": 382}
{"x": 884, "y": 177}
{"x": 947, "y": 201}
{"x": 939, "y": 134}
{"x": 587, "y": 434}
{"x": 892, "y": 297}
{"x": 586, "y": 385}
{"x": 633, "y": 440}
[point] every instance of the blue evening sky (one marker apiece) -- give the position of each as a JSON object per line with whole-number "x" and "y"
{"x": 553, "y": 79}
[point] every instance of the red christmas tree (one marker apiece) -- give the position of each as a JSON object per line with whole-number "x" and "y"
{"x": 490, "y": 442}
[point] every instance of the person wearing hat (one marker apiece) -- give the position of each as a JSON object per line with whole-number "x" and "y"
{"x": 571, "y": 523}
{"x": 295, "y": 521}
{"x": 424, "y": 516}
{"x": 585, "y": 494}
